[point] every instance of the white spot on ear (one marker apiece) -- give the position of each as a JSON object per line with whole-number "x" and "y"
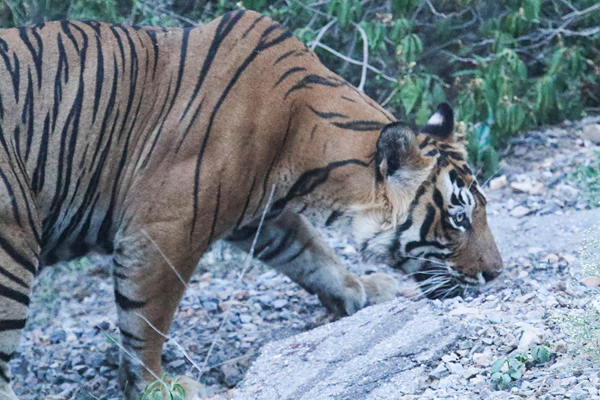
{"x": 436, "y": 119}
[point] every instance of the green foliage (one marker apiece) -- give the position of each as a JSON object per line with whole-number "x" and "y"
{"x": 161, "y": 390}
{"x": 508, "y": 369}
{"x": 540, "y": 354}
{"x": 582, "y": 326}
{"x": 506, "y": 66}
{"x": 587, "y": 178}
{"x": 505, "y": 370}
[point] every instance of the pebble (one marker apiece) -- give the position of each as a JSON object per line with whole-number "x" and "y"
{"x": 520, "y": 211}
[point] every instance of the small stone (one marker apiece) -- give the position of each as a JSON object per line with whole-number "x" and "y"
{"x": 498, "y": 183}
{"x": 449, "y": 357}
{"x": 494, "y": 318}
{"x": 530, "y": 336}
{"x": 520, "y": 211}
{"x": 591, "y": 133}
{"x": 591, "y": 281}
{"x": 280, "y": 303}
{"x": 58, "y": 336}
{"x": 551, "y": 258}
{"x": 230, "y": 375}
{"x": 522, "y": 187}
{"x": 439, "y": 372}
{"x": 471, "y": 372}
{"x": 455, "y": 368}
{"x": 245, "y": 319}
{"x": 177, "y": 363}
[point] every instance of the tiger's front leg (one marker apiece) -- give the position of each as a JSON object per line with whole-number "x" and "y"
{"x": 151, "y": 267}
{"x": 290, "y": 244}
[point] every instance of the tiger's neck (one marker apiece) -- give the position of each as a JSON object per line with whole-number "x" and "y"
{"x": 332, "y": 152}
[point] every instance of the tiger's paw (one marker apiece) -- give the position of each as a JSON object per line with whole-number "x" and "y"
{"x": 379, "y": 288}
{"x": 346, "y": 299}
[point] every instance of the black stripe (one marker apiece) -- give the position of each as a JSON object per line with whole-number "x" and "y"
{"x": 228, "y": 21}
{"x": 414, "y": 245}
{"x": 215, "y": 215}
{"x": 99, "y": 77}
{"x": 427, "y": 222}
{"x": 256, "y": 21}
{"x": 130, "y": 335}
{"x": 335, "y": 214}
{"x": 11, "y": 195}
{"x": 16, "y": 256}
{"x": 35, "y": 54}
{"x": 12, "y": 294}
{"x": 327, "y": 115}
{"x": 262, "y": 246}
{"x": 288, "y": 238}
{"x": 126, "y": 303}
{"x": 284, "y": 56}
{"x": 13, "y": 277}
{"x": 13, "y": 69}
{"x": 39, "y": 173}
{"x": 27, "y": 114}
{"x": 248, "y": 197}
{"x": 311, "y": 179}
{"x": 288, "y": 73}
{"x": 273, "y": 161}
{"x": 11, "y": 324}
{"x": 297, "y": 254}
{"x": 314, "y": 79}
{"x": 152, "y": 35}
{"x": 360, "y": 126}
{"x": 5, "y": 356}
{"x": 263, "y": 44}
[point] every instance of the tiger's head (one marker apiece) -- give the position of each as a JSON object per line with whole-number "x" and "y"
{"x": 429, "y": 218}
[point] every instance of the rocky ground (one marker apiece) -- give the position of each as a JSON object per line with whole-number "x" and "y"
{"x": 536, "y": 210}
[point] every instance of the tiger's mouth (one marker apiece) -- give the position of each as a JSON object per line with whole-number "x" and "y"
{"x": 438, "y": 281}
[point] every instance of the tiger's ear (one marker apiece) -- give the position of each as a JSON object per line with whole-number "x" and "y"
{"x": 398, "y": 156}
{"x": 441, "y": 123}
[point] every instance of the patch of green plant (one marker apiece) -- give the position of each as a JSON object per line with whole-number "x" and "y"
{"x": 505, "y": 370}
{"x": 510, "y": 368}
{"x": 162, "y": 390}
{"x": 587, "y": 178}
{"x": 582, "y": 326}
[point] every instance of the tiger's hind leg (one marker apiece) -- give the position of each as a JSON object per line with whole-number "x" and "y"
{"x": 291, "y": 245}
{"x": 148, "y": 289}
{"x": 19, "y": 262}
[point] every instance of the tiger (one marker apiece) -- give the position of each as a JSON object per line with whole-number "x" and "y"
{"x": 149, "y": 144}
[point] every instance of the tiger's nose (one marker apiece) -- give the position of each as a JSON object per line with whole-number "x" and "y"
{"x": 491, "y": 275}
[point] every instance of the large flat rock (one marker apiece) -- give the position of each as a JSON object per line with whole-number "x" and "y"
{"x": 384, "y": 351}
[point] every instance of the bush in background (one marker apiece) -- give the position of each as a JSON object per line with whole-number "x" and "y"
{"x": 506, "y": 66}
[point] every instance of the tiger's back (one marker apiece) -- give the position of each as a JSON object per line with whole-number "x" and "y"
{"x": 151, "y": 143}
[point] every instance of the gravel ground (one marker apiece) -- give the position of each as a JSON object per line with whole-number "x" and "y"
{"x": 68, "y": 349}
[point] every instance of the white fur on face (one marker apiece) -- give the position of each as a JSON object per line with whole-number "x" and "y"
{"x": 466, "y": 202}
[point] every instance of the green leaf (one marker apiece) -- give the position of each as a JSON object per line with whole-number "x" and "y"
{"x": 423, "y": 114}
{"x": 515, "y": 374}
{"x": 256, "y": 5}
{"x": 497, "y": 365}
{"x": 409, "y": 95}
{"x": 540, "y": 354}
{"x": 531, "y": 10}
